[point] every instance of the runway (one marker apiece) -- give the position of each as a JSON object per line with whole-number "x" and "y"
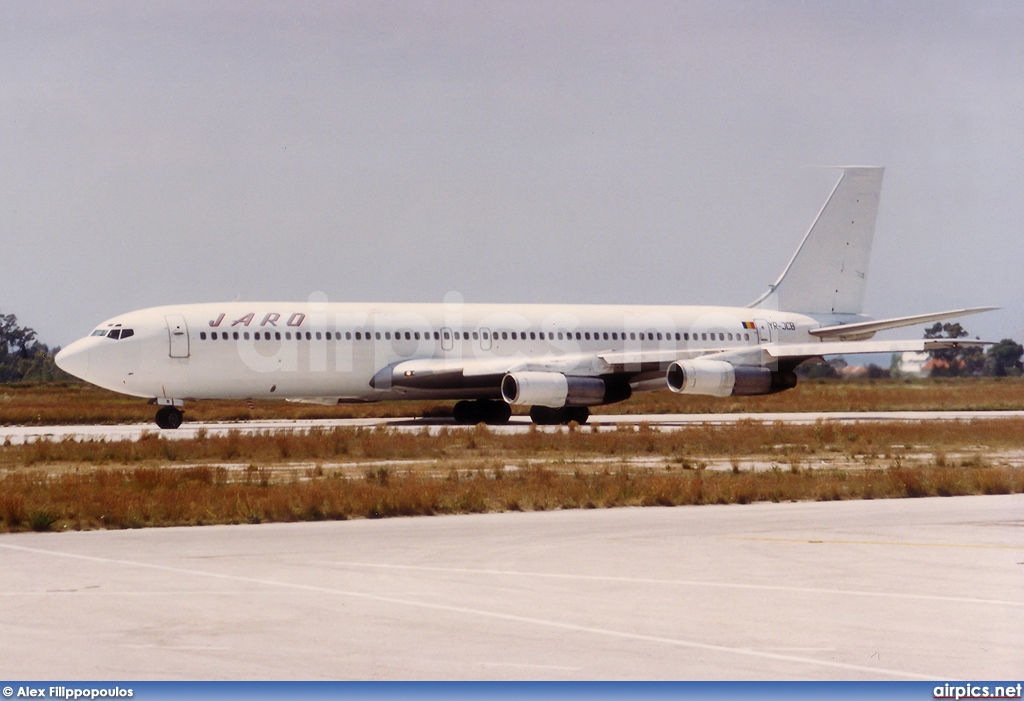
{"x": 519, "y": 424}
{"x": 888, "y": 589}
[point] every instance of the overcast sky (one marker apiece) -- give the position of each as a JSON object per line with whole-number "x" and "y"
{"x": 627, "y": 152}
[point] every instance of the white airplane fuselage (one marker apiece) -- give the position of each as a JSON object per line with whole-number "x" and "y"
{"x": 334, "y": 351}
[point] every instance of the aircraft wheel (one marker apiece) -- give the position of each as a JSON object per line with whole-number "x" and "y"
{"x": 545, "y": 416}
{"x": 579, "y": 414}
{"x": 168, "y": 417}
{"x": 496, "y": 412}
{"x": 467, "y": 413}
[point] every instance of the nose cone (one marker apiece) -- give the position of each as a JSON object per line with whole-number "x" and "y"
{"x": 74, "y": 359}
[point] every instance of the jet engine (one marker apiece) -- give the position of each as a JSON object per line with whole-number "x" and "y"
{"x": 721, "y": 379}
{"x": 551, "y": 389}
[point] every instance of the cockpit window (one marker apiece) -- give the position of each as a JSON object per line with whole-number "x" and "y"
{"x": 99, "y": 332}
{"x": 118, "y": 333}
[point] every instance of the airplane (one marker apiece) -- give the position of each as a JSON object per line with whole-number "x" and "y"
{"x": 559, "y": 360}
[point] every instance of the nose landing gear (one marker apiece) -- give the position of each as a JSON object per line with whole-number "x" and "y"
{"x": 168, "y": 417}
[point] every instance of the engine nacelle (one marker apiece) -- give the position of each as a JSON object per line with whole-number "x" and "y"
{"x": 718, "y": 378}
{"x": 551, "y": 389}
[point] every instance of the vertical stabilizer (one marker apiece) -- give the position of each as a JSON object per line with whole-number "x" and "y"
{"x": 829, "y": 270}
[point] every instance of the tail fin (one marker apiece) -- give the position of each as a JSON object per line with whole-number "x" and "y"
{"x": 828, "y": 272}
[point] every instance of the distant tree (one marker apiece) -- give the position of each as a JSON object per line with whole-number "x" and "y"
{"x": 895, "y": 362}
{"x": 877, "y": 372}
{"x": 816, "y": 369}
{"x": 22, "y": 357}
{"x": 954, "y": 362}
{"x": 1003, "y": 358}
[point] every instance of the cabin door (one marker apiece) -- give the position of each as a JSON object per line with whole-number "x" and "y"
{"x": 177, "y": 333}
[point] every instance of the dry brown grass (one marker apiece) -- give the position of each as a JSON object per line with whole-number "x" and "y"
{"x": 331, "y": 473}
{"x": 745, "y": 438}
{"x": 67, "y": 403}
{"x": 133, "y": 498}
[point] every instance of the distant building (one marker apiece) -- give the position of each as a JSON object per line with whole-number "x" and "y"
{"x": 915, "y": 364}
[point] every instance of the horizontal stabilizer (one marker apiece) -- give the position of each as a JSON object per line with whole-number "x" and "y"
{"x": 866, "y": 329}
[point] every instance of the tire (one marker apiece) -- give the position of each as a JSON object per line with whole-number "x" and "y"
{"x": 579, "y": 414}
{"x": 466, "y": 413}
{"x": 168, "y": 417}
{"x": 545, "y": 416}
{"x": 496, "y": 413}
{"x": 174, "y": 418}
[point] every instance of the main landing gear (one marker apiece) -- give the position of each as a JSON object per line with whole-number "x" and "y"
{"x": 490, "y": 412}
{"x": 546, "y": 416}
{"x": 474, "y": 412}
{"x": 168, "y": 417}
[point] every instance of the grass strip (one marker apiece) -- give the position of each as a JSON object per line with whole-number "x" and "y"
{"x": 148, "y": 496}
{"x": 780, "y": 439}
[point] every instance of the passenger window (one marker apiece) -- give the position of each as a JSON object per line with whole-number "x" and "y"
{"x": 446, "y": 336}
{"x": 533, "y": 336}
{"x": 213, "y": 335}
{"x": 359, "y": 336}
{"x": 475, "y": 335}
{"x": 579, "y": 336}
{"x": 309, "y": 336}
{"x": 484, "y": 335}
{"x": 202, "y": 335}
{"x": 560, "y": 336}
{"x": 437, "y": 336}
{"x": 686, "y": 336}
{"x": 632, "y": 335}
{"x": 277, "y": 335}
{"x": 659, "y": 335}
{"x": 721, "y": 337}
{"x": 730, "y": 337}
{"x": 287, "y": 335}
{"x": 504, "y": 335}
{"x": 703, "y": 337}
{"x": 246, "y": 335}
